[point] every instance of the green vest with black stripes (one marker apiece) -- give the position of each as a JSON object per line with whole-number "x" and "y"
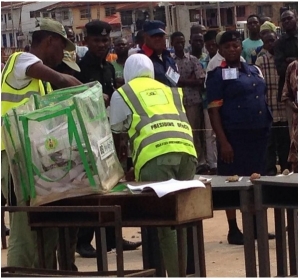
{"x": 12, "y": 97}
{"x": 159, "y": 123}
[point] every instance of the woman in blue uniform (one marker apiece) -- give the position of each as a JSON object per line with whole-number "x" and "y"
{"x": 239, "y": 116}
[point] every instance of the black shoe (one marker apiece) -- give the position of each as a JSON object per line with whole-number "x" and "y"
{"x": 235, "y": 237}
{"x": 202, "y": 169}
{"x": 86, "y": 251}
{"x": 74, "y": 267}
{"x": 270, "y": 236}
{"x": 128, "y": 245}
{"x": 6, "y": 231}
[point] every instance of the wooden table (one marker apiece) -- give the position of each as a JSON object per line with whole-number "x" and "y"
{"x": 63, "y": 217}
{"x": 179, "y": 210}
{"x": 238, "y": 195}
{"x": 280, "y": 193}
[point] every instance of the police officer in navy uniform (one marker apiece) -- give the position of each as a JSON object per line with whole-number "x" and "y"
{"x": 155, "y": 48}
{"x": 240, "y": 117}
{"x": 94, "y": 67}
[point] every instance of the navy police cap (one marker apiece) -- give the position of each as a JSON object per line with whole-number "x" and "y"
{"x": 97, "y": 27}
{"x": 152, "y": 27}
{"x": 230, "y": 36}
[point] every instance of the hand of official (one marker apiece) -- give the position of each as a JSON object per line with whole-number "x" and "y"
{"x": 71, "y": 81}
{"x": 129, "y": 176}
{"x": 106, "y": 99}
{"x": 226, "y": 152}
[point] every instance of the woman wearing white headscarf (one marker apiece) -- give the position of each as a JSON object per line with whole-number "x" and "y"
{"x": 160, "y": 135}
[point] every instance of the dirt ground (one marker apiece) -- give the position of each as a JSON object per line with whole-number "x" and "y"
{"x": 222, "y": 259}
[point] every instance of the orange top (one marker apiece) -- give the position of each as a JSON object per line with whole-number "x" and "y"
{"x": 111, "y": 57}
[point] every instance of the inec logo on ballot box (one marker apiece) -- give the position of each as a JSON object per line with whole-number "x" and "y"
{"x": 51, "y": 143}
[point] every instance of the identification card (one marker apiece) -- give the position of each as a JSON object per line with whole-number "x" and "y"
{"x": 172, "y": 76}
{"x": 230, "y": 73}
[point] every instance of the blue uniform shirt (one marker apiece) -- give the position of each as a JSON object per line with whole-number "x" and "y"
{"x": 243, "y": 99}
{"x": 160, "y": 66}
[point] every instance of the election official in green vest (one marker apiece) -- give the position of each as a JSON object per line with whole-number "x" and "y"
{"x": 25, "y": 74}
{"x": 160, "y": 135}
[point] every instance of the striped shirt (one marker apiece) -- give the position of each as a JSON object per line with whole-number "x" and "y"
{"x": 267, "y": 65}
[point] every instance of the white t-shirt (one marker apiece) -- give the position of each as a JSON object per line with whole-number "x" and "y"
{"x": 17, "y": 77}
{"x": 133, "y": 51}
{"x": 81, "y": 51}
{"x": 120, "y": 115}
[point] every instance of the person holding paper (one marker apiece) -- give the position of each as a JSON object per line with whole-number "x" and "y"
{"x": 160, "y": 134}
{"x": 240, "y": 117}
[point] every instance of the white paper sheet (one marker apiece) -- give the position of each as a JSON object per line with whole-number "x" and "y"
{"x": 163, "y": 188}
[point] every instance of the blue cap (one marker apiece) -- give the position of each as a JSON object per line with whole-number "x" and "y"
{"x": 152, "y": 27}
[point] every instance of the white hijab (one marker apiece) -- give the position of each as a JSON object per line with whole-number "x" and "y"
{"x": 138, "y": 65}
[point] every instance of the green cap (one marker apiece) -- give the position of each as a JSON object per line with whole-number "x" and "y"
{"x": 54, "y": 26}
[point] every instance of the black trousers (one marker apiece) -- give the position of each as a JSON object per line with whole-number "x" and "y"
{"x": 278, "y": 145}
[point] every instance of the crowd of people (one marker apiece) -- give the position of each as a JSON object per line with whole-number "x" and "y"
{"x": 221, "y": 106}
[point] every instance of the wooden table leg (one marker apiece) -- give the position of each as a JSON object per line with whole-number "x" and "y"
{"x": 145, "y": 248}
{"x": 40, "y": 247}
{"x": 200, "y": 249}
{"x": 281, "y": 255}
{"x": 292, "y": 240}
{"x": 192, "y": 257}
{"x": 181, "y": 252}
{"x": 246, "y": 202}
{"x": 101, "y": 250}
{"x": 119, "y": 249}
{"x": 262, "y": 234}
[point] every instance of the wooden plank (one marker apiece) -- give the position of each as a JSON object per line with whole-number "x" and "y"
{"x": 194, "y": 204}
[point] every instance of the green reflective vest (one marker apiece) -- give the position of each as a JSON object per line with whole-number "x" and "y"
{"x": 159, "y": 123}
{"x": 11, "y": 97}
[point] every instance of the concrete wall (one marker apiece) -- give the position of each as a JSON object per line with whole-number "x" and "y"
{"x": 95, "y": 10}
{"x": 183, "y": 22}
{"x": 10, "y": 26}
{"x": 28, "y": 24}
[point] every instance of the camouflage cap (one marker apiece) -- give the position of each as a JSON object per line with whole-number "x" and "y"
{"x": 54, "y": 26}
{"x": 70, "y": 60}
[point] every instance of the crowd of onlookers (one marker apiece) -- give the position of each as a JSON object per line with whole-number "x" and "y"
{"x": 240, "y": 96}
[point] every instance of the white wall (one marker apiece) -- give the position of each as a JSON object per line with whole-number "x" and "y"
{"x": 28, "y": 24}
{"x": 7, "y": 27}
{"x": 183, "y": 22}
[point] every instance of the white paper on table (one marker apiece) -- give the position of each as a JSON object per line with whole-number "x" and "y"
{"x": 163, "y": 188}
{"x": 281, "y": 175}
{"x": 204, "y": 179}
